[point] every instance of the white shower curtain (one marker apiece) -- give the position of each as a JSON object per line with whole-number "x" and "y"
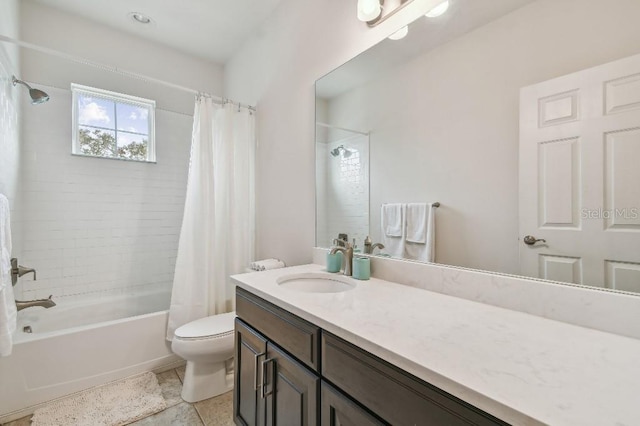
{"x": 217, "y": 235}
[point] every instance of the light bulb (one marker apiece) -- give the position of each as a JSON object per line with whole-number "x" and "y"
{"x": 401, "y": 33}
{"x": 368, "y": 10}
{"x": 438, "y": 10}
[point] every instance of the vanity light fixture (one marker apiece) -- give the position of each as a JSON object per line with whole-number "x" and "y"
{"x": 372, "y": 12}
{"x": 438, "y": 10}
{"x": 400, "y": 34}
{"x": 369, "y": 10}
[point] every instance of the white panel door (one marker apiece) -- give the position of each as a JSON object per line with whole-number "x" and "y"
{"x": 580, "y": 177}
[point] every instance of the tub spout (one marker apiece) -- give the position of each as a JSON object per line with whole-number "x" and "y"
{"x": 45, "y": 303}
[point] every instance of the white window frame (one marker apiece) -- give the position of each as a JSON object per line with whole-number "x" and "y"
{"x": 121, "y": 98}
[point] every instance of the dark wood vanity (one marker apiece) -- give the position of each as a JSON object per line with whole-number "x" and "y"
{"x": 291, "y": 372}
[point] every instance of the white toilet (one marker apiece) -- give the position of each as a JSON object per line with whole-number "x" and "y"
{"x": 206, "y": 344}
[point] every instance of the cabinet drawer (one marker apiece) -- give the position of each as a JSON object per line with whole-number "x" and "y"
{"x": 295, "y": 335}
{"x": 338, "y": 409}
{"x": 396, "y": 396}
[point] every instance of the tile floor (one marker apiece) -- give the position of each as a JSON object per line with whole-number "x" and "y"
{"x": 216, "y": 411}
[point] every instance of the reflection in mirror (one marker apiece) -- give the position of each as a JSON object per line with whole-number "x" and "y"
{"x": 492, "y": 111}
{"x": 342, "y": 181}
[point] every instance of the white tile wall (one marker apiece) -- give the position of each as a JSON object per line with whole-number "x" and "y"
{"x": 343, "y": 203}
{"x": 9, "y": 144}
{"x": 95, "y": 226}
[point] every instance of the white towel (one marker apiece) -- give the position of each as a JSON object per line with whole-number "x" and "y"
{"x": 8, "y": 310}
{"x": 392, "y": 220}
{"x": 267, "y": 264}
{"x": 392, "y": 227}
{"x": 417, "y": 222}
{"x": 420, "y": 236}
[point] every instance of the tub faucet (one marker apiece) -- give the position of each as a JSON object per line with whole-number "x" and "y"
{"x": 347, "y": 251}
{"x": 45, "y": 303}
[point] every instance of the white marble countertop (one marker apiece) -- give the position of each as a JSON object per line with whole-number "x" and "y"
{"x": 523, "y": 369}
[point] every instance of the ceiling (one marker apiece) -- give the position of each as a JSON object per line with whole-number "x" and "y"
{"x": 424, "y": 35}
{"x": 209, "y": 29}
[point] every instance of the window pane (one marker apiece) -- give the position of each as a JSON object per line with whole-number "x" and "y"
{"x": 96, "y": 112}
{"x": 131, "y": 146}
{"x": 133, "y": 118}
{"x": 98, "y": 142}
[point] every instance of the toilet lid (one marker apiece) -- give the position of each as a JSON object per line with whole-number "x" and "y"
{"x": 208, "y": 326}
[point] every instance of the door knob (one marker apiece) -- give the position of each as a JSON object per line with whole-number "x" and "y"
{"x": 531, "y": 240}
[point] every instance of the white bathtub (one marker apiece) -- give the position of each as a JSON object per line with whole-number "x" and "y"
{"x": 77, "y": 345}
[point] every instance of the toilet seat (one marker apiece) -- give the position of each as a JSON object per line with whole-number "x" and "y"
{"x": 214, "y": 326}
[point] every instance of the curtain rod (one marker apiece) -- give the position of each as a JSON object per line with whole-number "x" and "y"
{"x": 321, "y": 124}
{"x": 117, "y": 70}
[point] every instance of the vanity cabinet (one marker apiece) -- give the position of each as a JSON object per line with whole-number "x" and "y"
{"x": 290, "y": 372}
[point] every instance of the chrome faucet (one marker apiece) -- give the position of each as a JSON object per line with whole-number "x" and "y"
{"x": 45, "y": 303}
{"x": 18, "y": 270}
{"x": 347, "y": 251}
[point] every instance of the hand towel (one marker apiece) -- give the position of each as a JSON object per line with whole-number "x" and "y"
{"x": 392, "y": 220}
{"x": 8, "y": 310}
{"x": 417, "y": 222}
{"x": 421, "y": 232}
{"x": 392, "y": 227}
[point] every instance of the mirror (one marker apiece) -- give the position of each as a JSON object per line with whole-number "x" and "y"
{"x": 437, "y": 117}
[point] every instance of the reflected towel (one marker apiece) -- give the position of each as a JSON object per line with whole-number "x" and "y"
{"x": 417, "y": 222}
{"x": 421, "y": 231}
{"x": 8, "y": 310}
{"x": 392, "y": 227}
{"x": 392, "y": 220}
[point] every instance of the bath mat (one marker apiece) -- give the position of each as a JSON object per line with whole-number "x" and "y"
{"x": 113, "y": 404}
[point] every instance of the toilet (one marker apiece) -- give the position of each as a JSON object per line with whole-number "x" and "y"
{"x": 206, "y": 344}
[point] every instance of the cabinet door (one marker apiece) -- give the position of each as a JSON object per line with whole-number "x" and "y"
{"x": 291, "y": 390}
{"x": 250, "y": 350}
{"x": 338, "y": 410}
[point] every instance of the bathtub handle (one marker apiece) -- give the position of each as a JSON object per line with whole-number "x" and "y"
{"x": 256, "y": 360}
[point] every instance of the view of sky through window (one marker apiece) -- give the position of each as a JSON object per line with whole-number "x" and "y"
{"x": 108, "y": 128}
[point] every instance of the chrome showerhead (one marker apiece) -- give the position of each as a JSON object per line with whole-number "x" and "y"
{"x": 37, "y": 95}
{"x": 345, "y": 152}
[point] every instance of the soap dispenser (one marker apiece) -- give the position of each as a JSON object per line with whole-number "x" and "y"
{"x": 367, "y": 244}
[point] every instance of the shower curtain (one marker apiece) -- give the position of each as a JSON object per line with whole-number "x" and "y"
{"x": 217, "y": 235}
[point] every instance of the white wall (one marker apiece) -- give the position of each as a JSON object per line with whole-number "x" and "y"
{"x": 9, "y": 122}
{"x": 454, "y": 133}
{"x": 276, "y": 70}
{"x": 487, "y": 67}
{"x": 97, "y": 225}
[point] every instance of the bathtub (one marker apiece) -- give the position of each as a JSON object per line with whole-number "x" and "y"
{"x": 80, "y": 344}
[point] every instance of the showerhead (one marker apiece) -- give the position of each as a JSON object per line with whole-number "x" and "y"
{"x": 37, "y": 95}
{"x": 345, "y": 152}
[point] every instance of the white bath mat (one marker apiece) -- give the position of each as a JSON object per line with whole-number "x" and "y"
{"x": 117, "y": 403}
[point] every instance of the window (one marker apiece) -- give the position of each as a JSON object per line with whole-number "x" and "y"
{"x": 112, "y": 125}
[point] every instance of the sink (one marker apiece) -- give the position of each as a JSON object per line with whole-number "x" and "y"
{"x": 314, "y": 282}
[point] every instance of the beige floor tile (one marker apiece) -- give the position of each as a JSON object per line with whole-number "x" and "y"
{"x": 25, "y": 421}
{"x": 217, "y": 411}
{"x": 171, "y": 387}
{"x": 182, "y": 414}
{"x": 180, "y": 371}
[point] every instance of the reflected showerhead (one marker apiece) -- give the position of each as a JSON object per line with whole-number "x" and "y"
{"x": 37, "y": 95}
{"x": 345, "y": 152}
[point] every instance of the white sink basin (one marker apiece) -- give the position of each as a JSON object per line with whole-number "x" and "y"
{"x": 316, "y": 282}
